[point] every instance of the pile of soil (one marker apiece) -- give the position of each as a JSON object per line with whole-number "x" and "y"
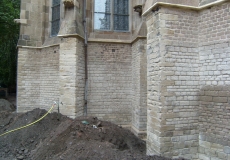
{"x": 58, "y": 137}
{"x": 6, "y": 105}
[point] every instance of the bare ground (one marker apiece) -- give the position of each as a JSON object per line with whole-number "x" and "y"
{"x": 58, "y": 137}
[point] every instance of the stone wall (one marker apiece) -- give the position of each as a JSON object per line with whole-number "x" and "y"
{"x": 188, "y": 82}
{"x": 214, "y": 109}
{"x": 52, "y": 74}
{"x": 183, "y": 78}
{"x": 32, "y": 29}
{"x": 38, "y": 78}
{"x": 72, "y": 77}
{"x": 173, "y": 83}
{"x": 110, "y": 80}
{"x": 139, "y": 88}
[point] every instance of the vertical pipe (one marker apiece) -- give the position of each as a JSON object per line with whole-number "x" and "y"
{"x": 86, "y": 59}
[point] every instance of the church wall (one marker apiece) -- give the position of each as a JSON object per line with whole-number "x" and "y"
{"x": 110, "y": 80}
{"x": 72, "y": 77}
{"x": 214, "y": 108}
{"x": 38, "y": 78}
{"x": 173, "y": 83}
{"x": 139, "y": 88}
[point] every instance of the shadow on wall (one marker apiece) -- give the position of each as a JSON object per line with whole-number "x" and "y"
{"x": 214, "y": 118}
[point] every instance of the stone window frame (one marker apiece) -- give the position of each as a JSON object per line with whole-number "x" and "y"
{"x": 112, "y": 28}
{"x": 50, "y": 16}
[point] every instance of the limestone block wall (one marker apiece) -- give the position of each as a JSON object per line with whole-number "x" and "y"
{"x": 72, "y": 19}
{"x": 173, "y": 83}
{"x": 38, "y": 78}
{"x": 33, "y": 12}
{"x": 136, "y": 18}
{"x": 214, "y": 109}
{"x": 188, "y": 82}
{"x": 139, "y": 87}
{"x": 72, "y": 77}
{"x": 110, "y": 79}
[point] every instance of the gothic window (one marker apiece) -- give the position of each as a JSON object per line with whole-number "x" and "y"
{"x": 55, "y": 23}
{"x": 111, "y": 15}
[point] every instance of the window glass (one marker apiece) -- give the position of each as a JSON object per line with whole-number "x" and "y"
{"x": 121, "y": 15}
{"x": 121, "y": 7}
{"x": 55, "y": 23}
{"x": 102, "y": 21}
{"x": 56, "y": 2}
{"x": 102, "y": 6}
{"x": 111, "y": 17}
{"x": 121, "y": 23}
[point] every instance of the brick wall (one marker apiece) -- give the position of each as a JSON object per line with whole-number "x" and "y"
{"x": 110, "y": 79}
{"x": 38, "y": 78}
{"x": 139, "y": 86}
{"x": 214, "y": 117}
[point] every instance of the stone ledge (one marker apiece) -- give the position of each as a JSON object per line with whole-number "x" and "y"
{"x": 116, "y": 40}
{"x": 70, "y": 35}
{"x": 20, "y": 21}
{"x": 109, "y": 40}
{"x": 30, "y": 47}
{"x": 182, "y": 6}
{"x": 138, "y": 133}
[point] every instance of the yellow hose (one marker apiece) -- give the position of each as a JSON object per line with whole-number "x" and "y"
{"x": 30, "y": 123}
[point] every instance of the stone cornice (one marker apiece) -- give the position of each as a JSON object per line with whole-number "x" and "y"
{"x": 71, "y": 35}
{"x": 31, "y": 47}
{"x": 95, "y": 40}
{"x": 101, "y": 40}
{"x": 183, "y": 6}
{"x": 137, "y": 38}
{"x": 116, "y": 40}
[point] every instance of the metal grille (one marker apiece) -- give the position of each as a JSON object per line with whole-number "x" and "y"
{"x": 55, "y": 23}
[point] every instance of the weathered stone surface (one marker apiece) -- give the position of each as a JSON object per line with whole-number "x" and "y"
{"x": 227, "y": 149}
{"x": 68, "y": 3}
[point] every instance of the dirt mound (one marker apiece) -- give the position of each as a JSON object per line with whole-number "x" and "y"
{"x": 6, "y": 106}
{"x": 58, "y": 137}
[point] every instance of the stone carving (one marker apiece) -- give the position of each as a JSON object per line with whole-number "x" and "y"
{"x": 138, "y": 8}
{"x": 68, "y": 3}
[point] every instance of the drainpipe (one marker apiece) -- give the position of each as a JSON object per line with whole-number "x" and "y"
{"x": 86, "y": 59}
